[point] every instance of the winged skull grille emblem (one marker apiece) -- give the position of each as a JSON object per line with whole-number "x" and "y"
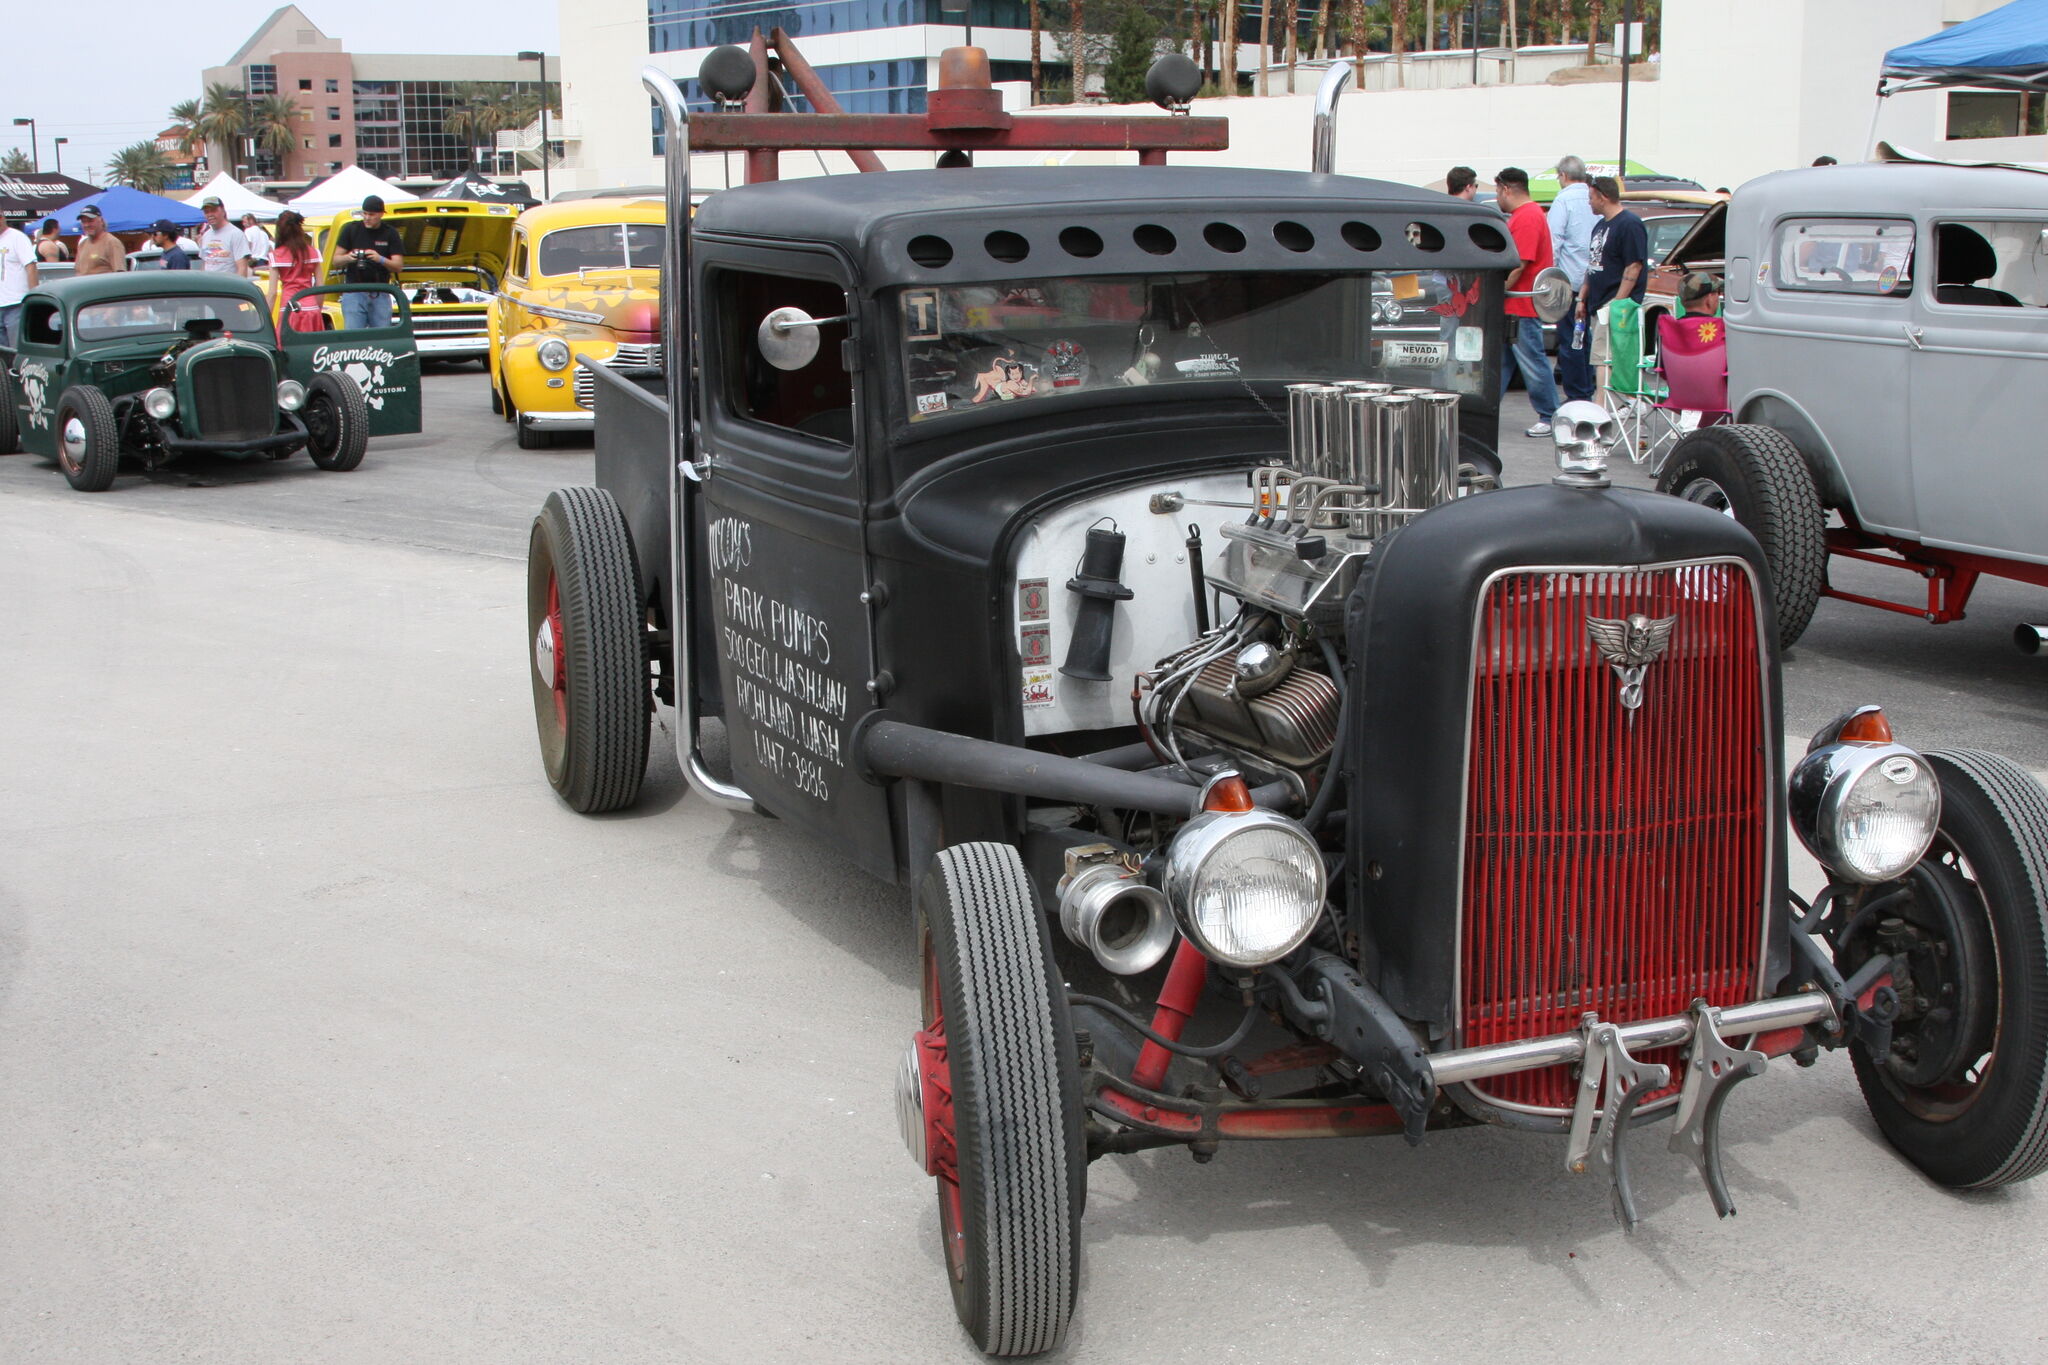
{"x": 1631, "y": 646}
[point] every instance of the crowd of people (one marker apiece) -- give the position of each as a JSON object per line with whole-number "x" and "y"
{"x": 1603, "y": 250}
{"x": 283, "y": 264}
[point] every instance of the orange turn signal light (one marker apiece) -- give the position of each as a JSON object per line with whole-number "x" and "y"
{"x": 1868, "y": 728}
{"x": 1230, "y": 795}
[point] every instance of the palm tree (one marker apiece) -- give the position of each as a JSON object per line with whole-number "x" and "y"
{"x": 274, "y": 125}
{"x": 223, "y": 116}
{"x": 185, "y": 118}
{"x": 141, "y": 166}
{"x": 474, "y": 115}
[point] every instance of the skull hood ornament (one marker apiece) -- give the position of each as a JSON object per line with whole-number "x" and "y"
{"x": 1583, "y": 433}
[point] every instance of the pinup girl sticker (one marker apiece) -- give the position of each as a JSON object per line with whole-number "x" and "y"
{"x": 1006, "y": 378}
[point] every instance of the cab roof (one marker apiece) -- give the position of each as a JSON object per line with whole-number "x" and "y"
{"x": 542, "y": 219}
{"x": 1900, "y": 188}
{"x": 77, "y": 291}
{"x": 1027, "y": 222}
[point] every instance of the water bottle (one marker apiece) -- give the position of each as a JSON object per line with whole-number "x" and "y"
{"x": 1579, "y": 335}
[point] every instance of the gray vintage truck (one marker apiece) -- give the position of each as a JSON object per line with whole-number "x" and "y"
{"x": 1887, "y": 378}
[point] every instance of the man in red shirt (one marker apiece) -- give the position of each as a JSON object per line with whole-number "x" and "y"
{"x": 1531, "y": 232}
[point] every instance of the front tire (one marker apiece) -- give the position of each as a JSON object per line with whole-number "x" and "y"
{"x": 337, "y": 422}
{"x": 530, "y": 438}
{"x": 591, "y": 697}
{"x": 1010, "y": 1198}
{"x": 1963, "y": 1093}
{"x": 88, "y": 439}
{"x": 1755, "y": 475}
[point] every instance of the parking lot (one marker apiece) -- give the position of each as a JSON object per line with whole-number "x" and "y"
{"x": 328, "y": 1033}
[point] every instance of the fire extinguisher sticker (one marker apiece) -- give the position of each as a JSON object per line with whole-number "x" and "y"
{"x": 1034, "y": 602}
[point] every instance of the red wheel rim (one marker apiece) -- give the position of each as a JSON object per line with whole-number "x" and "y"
{"x": 941, "y": 1148}
{"x": 560, "y": 682}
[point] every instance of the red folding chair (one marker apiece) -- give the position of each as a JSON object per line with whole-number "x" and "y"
{"x": 1692, "y": 354}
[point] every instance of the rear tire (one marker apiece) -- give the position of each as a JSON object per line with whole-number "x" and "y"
{"x": 1963, "y": 1094}
{"x": 337, "y": 422}
{"x": 88, "y": 439}
{"x": 587, "y": 646}
{"x": 1010, "y": 1209}
{"x": 1755, "y": 475}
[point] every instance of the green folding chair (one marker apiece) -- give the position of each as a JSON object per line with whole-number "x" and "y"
{"x": 1632, "y": 386}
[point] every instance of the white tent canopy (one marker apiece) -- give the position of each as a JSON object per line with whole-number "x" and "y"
{"x": 236, "y": 198}
{"x": 346, "y": 189}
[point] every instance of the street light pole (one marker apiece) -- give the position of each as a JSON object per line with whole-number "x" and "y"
{"x": 1628, "y": 28}
{"x": 35, "y": 157}
{"x": 546, "y": 184}
{"x": 57, "y": 145}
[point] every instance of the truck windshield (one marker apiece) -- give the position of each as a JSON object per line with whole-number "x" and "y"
{"x": 167, "y": 313}
{"x": 601, "y": 246}
{"x": 970, "y": 346}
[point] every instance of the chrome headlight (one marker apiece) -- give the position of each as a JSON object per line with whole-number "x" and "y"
{"x": 159, "y": 403}
{"x": 291, "y": 395}
{"x": 554, "y": 354}
{"x": 1867, "y": 810}
{"x": 1246, "y": 886}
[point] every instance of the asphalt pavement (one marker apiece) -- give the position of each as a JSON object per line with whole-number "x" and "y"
{"x": 328, "y": 1034}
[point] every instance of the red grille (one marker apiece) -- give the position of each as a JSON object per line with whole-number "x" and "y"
{"x": 1614, "y": 860}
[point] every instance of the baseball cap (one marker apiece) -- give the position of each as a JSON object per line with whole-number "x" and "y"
{"x": 165, "y": 226}
{"x": 373, "y": 204}
{"x": 1697, "y": 286}
{"x": 211, "y": 201}
{"x": 90, "y": 211}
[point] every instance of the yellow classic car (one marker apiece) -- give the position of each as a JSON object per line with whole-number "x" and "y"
{"x": 584, "y": 279}
{"x": 455, "y": 254}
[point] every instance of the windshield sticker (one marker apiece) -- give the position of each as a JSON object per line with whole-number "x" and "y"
{"x": 1214, "y": 363}
{"x": 35, "y": 390}
{"x": 929, "y": 403}
{"x": 1034, "y": 646}
{"x": 1034, "y": 602}
{"x": 1887, "y": 279}
{"x": 1038, "y": 689}
{"x": 1403, "y": 354}
{"x": 921, "y": 314}
{"x": 1007, "y": 377}
{"x": 1469, "y": 344}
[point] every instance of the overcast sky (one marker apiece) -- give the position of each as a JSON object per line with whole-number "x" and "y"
{"x": 108, "y": 81}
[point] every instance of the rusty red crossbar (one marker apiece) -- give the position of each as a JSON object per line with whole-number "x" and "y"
{"x": 712, "y": 132}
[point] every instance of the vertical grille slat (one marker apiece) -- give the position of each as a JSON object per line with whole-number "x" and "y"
{"x": 1614, "y": 861}
{"x": 234, "y": 397}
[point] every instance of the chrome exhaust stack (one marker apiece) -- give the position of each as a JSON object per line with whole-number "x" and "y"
{"x": 2029, "y": 639}
{"x": 1107, "y": 907}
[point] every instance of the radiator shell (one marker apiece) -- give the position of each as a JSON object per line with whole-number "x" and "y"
{"x": 1411, "y": 623}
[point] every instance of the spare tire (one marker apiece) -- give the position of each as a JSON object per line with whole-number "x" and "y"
{"x": 1756, "y": 476}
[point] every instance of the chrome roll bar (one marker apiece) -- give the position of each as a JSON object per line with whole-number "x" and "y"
{"x": 676, "y": 358}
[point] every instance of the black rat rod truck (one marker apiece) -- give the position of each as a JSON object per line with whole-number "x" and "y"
{"x": 1066, "y": 545}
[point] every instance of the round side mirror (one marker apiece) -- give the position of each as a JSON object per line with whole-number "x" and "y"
{"x": 1172, "y": 81}
{"x": 1553, "y": 294}
{"x": 727, "y": 74}
{"x": 788, "y": 338}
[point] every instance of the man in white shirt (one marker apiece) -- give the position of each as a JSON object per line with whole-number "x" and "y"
{"x": 259, "y": 240}
{"x": 223, "y": 249}
{"x": 17, "y": 277}
{"x": 1571, "y": 244}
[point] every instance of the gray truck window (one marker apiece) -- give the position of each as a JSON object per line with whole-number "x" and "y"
{"x": 1844, "y": 256}
{"x": 1994, "y": 263}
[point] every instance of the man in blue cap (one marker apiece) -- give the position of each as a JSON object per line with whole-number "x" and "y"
{"x": 165, "y": 234}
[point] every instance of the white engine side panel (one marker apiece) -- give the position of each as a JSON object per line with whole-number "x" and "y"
{"x": 1157, "y": 620}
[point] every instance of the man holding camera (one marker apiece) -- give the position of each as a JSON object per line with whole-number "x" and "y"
{"x": 375, "y": 255}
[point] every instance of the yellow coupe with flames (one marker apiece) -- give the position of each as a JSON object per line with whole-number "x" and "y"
{"x": 584, "y": 280}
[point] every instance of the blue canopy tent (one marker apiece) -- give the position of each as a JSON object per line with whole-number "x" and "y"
{"x": 2006, "y": 49}
{"x": 128, "y": 210}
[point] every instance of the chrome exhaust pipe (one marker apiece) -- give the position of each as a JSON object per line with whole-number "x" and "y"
{"x": 1114, "y": 914}
{"x": 2029, "y": 638}
{"x": 1322, "y": 154}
